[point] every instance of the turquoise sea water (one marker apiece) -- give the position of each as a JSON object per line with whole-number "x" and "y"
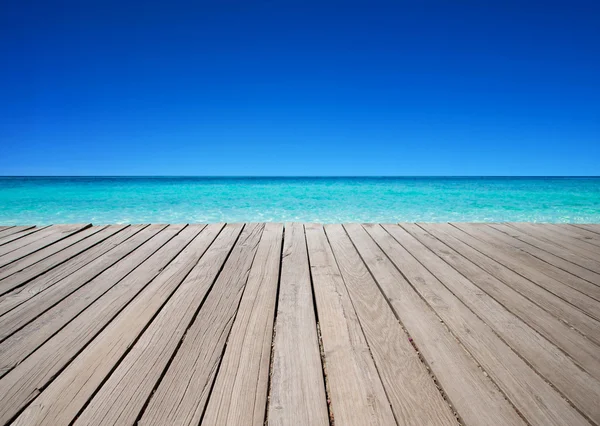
{"x": 328, "y": 200}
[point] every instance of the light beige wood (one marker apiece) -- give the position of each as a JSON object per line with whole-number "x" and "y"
{"x": 414, "y": 398}
{"x": 239, "y": 396}
{"x": 60, "y": 402}
{"x": 141, "y": 369}
{"x": 537, "y": 401}
{"x": 115, "y": 286}
{"x": 18, "y": 232}
{"x": 49, "y": 252}
{"x": 10, "y": 230}
{"x": 181, "y": 396}
{"x": 532, "y": 268}
{"x": 297, "y": 394}
{"x": 356, "y": 394}
{"x": 60, "y": 232}
{"x": 549, "y": 235}
{"x": 24, "y": 382}
{"x": 588, "y": 226}
{"x": 21, "y": 240}
{"x": 580, "y": 237}
{"x": 20, "y": 272}
{"x": 32, "y": 308}
{"x": 535, "y": 297}
{"x": 551, "y": 253}
{"x": 25, "y": 291}
{"x": 582, "y": 233}
{"x": 472, "y": 394}
{"x": 581, "y": 387}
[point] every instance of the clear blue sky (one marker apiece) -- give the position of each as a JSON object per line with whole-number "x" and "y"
{"x": 299, "y": 87}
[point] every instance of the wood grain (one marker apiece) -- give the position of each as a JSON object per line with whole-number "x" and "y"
{"x": 122, "y": 397}
{"x": 413, "y": 395}
{"x": 297, "y": 385}
{"x": 239, "y": 396}
{"x": 472, "y": 394}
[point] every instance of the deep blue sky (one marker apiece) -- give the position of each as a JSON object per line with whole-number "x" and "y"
{"x": 298, "y": 87}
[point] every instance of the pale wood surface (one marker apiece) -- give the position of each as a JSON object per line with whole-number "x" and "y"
{"x": 297, "y": 383}
{"x": 238, "y": 324}
{"x": 16, "y": 232}
{"x": 241, "y": 386}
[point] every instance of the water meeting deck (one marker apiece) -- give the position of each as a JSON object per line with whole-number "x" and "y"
{"x": 300, "y": 324}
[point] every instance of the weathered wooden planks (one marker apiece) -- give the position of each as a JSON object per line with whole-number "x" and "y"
{"x": 55, "y": 233}
{"x": 509, "y": 370}
{"x": 240, "y": 392}
{"x": 16, "y": 291}
{"x": 473, "y": 266}
{"x": 476, "y": 399}
{"x": 412, "y": 393}
{"x": 141, "y": 369}
{"x": 355, "y": 389}
{"x": 66, "y": 396}
{"x": 411, "y": 324}
{"x": 297, "y": 385}
{"x": 7, "y": 231}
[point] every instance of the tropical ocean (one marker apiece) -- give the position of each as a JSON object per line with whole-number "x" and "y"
{"x": 103, "y": 200}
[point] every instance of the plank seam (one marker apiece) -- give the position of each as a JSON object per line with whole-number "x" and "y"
{"x": 269, "y": 384}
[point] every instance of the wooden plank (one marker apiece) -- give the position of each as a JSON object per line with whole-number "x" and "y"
{"x": 20, "y": 272}
{"x": 10, "y": 230}
{"x": 554, "y": 365}
{"x": 23, "y": 383}
{"x": 535, "y": 399}
{"x": 593, "y": 227}
{"x": 17, "y": 232}
{"x": 413, "y": 395}
{"x": 181, "y": 395}
{"x": 547, "y": 234}
{"x": 556, "y": 306}
{"x": 32, "y": 308}
{"x": 239, "y": 395}
{"x": 297, "y": 394}
{"x": 532, "y": 268}
{"x": 141, "y": 369}
{"x": 356, "y": 394}
{"x": 582, "y": 233}
{"x": 473, "y": 395}
{"x": 46, "y": 252}
{"x": 60, "y": 232}
{"x": 24, "y": 241}
{"x": 111, "y": 287}
{"x": 551, "y": 252}
{"x": 64, "y": 397}
{"x": 581, "y": 237}
{"x": 77, "y": 264}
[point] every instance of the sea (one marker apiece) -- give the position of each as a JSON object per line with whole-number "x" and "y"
{"x": 108, "y": 200}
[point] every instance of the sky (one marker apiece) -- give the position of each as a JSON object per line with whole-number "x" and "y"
{"x": 300, "y": 88}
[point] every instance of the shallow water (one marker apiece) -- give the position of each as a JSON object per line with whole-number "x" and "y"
{"x": 190, "y": 200}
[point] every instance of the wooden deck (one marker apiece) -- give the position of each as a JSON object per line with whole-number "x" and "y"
{"x": 302, "y": 324}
